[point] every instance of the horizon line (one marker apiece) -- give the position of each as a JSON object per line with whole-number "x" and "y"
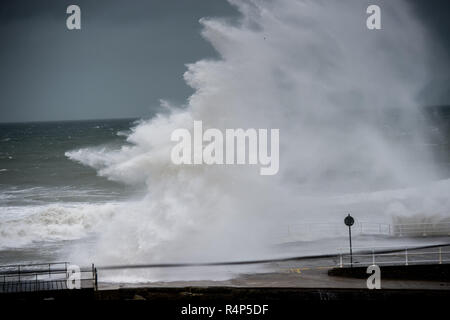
{"x": 69, "y": 120}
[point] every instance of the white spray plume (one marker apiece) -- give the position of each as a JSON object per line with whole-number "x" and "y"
{"x": 344, "y": 99}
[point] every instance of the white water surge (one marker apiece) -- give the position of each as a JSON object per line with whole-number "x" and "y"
{"x": 351, "y": 138}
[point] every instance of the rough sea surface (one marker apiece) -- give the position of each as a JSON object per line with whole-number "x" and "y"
{"x": 46, "y": 200}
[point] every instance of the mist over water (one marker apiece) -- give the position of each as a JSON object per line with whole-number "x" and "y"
{"x": 351, "y": 136}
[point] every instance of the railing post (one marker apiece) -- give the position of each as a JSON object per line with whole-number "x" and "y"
{"x": 340, "y": 260}
{"x": 96, "y": 283}
{"x": 440, "y": 255}
{"x": 93, "y": 275}
{"x": 406, "y": 256}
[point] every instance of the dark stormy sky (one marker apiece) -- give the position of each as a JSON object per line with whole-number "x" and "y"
{"x": 128, "y": 55}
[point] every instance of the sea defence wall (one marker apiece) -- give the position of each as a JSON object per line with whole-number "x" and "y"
{"x": 231, "y": 294}
{"x": 434, "y": 272}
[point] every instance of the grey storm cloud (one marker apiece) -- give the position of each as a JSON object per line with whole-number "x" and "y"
{"x": 128, "y": 55}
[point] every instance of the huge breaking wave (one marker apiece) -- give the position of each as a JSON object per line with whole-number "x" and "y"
{"x": 351, "y": 138}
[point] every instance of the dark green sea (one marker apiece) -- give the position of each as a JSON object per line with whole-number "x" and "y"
{"x": 46, "y": 198}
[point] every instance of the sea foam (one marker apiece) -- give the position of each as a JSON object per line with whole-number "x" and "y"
{"x": 344, "y": 99}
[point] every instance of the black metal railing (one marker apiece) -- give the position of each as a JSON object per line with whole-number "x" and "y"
{"x": 45, "y": 276}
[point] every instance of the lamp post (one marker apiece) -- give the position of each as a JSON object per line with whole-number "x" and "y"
{"x": 349, "y": 221}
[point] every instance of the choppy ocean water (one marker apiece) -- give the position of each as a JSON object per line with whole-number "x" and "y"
{"x": 47, "y": 200}
{"x": 51, "y": 206}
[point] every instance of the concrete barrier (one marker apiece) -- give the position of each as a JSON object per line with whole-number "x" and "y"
{"x": 432, "y": 272}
